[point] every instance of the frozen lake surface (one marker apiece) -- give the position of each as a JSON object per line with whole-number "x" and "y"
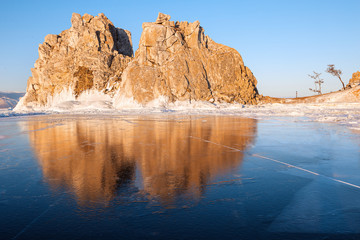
{"x": 177, "y": 177}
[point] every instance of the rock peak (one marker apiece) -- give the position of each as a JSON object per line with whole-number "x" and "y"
{"x": 92, "y": 54}
{"x": 162, "y": 18}
{"x": 178, "y": 61}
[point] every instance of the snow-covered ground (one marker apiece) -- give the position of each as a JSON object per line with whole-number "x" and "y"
{"x": 347, "y": 114}
{"x": 341, "y": 107}
{"x": 9, "y": 99}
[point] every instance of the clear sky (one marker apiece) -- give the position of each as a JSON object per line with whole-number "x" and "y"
{"x": 280, "y": 41}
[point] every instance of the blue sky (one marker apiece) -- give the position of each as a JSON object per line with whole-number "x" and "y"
{"x": 280, "y": 41}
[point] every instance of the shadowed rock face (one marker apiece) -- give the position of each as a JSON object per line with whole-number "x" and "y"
{"x": 158, "y": 156}
{"x": 179, "y": 61}
{"x": 175, "y": 60}
{"x": 92, "y": 54}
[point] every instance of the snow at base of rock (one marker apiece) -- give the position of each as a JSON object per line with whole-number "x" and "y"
{"x": 93, "y": 102}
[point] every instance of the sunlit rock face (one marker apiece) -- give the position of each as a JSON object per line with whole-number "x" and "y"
{"x": 355, "y": 79}
{"x": 163, "y": 158}
{"x": 92, "y": 54}
{"x": 177, "y": 60}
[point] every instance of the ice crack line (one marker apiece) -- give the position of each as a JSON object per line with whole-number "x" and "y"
{"x": 37, "y": 218}
{"x": 277, "y": 161}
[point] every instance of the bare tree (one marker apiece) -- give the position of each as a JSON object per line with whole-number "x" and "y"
{"x": 318, "y": 81}
{"x": 335, "y": 72}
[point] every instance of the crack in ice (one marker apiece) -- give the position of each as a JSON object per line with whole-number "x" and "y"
{"x": 37, "y": 218}
{"x": 277, "y": 161}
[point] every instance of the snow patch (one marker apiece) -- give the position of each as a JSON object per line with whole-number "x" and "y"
{"x": 66, "y": 101}
{"x": 123, "y": 102}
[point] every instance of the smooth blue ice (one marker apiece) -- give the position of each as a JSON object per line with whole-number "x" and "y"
{"x": 177, "y": 177}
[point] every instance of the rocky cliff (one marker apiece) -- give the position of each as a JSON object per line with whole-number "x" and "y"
{"x": 174, "y": 60}
{"x": 92, "y": 54}
{"x": 177, "y": 60}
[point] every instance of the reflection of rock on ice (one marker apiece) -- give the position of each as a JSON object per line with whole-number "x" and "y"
{"x": 95, "y": 158}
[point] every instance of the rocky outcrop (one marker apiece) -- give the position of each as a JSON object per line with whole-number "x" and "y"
{"x": 179, "y": 61}
{"x": 92, "y": 54}
{"x": 174, "y": 60}
{"x": 355, "y": 80}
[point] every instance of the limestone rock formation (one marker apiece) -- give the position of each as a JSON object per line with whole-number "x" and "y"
{"x": 355, "y": 80}
{"x": 179, "y": 61}
{"x": 92, "y": 54}
{"x": 174, "y": 60}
